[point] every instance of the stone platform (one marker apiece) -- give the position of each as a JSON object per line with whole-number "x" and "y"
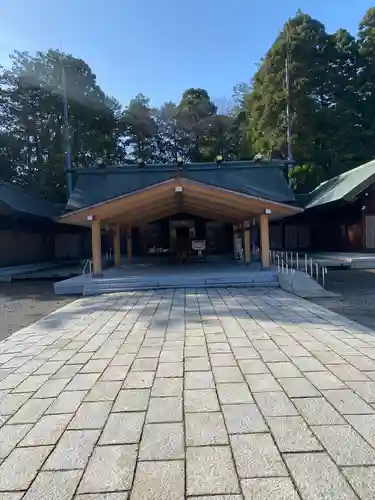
{"x": 177, "y": 276}
{"x": 219, "y": 394}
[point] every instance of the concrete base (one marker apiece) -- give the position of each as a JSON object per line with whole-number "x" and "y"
{"x": 302, "y": 285}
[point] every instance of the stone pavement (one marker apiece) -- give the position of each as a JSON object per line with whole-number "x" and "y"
{"x": 224, "y": 394}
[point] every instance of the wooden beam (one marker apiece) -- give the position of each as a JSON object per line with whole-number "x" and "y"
{"x": 129, "y": 244}
{"x": 264, "y": 241}
{"x": 96, "y": 241}
{"x": 117, "y": 245}
{"x": 247, "y": 247}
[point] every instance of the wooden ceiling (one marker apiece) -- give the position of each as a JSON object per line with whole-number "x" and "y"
{"x": 178, "y": 196}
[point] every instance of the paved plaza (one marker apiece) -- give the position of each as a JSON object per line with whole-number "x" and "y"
{"x": 218, "y": 394}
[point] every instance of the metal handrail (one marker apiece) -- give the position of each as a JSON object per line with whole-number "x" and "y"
{"x": 289, "y": 262}
{"x": 88, "y": 265}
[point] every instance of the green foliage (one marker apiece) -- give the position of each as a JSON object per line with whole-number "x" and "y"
{"x": 331, "y": 99}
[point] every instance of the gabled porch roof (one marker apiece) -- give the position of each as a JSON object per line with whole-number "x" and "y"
{"x": 230, "y": 192}
{"x": 179, "y": 195}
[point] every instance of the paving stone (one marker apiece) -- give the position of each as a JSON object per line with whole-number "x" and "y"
{"x": 275, "y": 404}
{"x": 362, "y": 480}
{"x": 57, "y": 485}
{"x": 11, "y": 496}
{"x": 145, "y": 365}
{"x": 159, "y": 481}
{"x": 169, "y": 356}
{"x": 95, "y": 366}
{"x": 79, "y": 358}
{"x": 67, "y": 402}
{"x": 363, "y": 363}
{"x": 199, "y": 380}
{"x": 162, "y": 442}
{"x": 317, "y": 411}
{"x": 250, "y": 366}
{"x": 256, "y": 456}
{"x": 365, "y": 389}
{"x": 215, "y": 497}
{"x": 73, "y": 450}
{"x": 284, "y": 370}
{"x": 31, "y": 411}
{"x": 234, "y": 393}
{"x": 197, "y": 364}
{"x": 225, "y": 359}
{"x": 123, "y": 428}
{"x": 111, "y": 468}
{"x": 219, "y": 347}
{"x": 203, "y": 429}
{"x": 243, "y": 419}
{"x": 138, "y": 380}
{"x": 149, "y": 352}
{"x": 169, "y": 370}
{"x": 227, "y": 374}
{"x": 49, "y": 368}
{"x": 12, "y": 402}
{"x": 245, "y": 353}
{"x": 345, "y": 445}
{"x": 298, "y": 387}
{"x": 273, "y": 356}
{"x": 308, "y": 364}
{"x": 102, "y": 496}
{"x": 167, "y": 387}
{"x": 47, "y": 430}
{"x": 51, "y": 388}
{"x": 67, "y": 371}
{"x": 317, "y": 477}
{"x": 201, "y": 401}
{"x": 365, "y": 425}
{"x": 132, "y": 400}
{"x": 347, "y": 401}
{"x": 91, "y": 415}
{"x": 31, "y": 383}
{"x": 20, "y": 468}
{"x": 262, "y": 382}
{"x": 275, "y": 488}
{"x": 328, "y": 357}
{"x": 10, "y": 436}
{"x": 122, "y": 360}
{"x": 348, "y": 373}
{"x": 104, "y": 391}
{"x": 82, "y": 381}
{"x": 14, "y": 379}
{"x": 115, "y": 373}
{"x": 264, "y": 344}
{"x": 204, "y": 471}
{"x": 292, "y": 434}
{"x": 325, "y": 380}
{"x": 164, "y": 410}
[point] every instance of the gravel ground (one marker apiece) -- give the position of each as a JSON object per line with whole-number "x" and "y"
{"x": 356, "y": 295}
{"x": 24, "y": 302}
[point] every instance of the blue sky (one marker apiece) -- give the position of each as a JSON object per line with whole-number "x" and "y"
{"x": 162, "y": 47}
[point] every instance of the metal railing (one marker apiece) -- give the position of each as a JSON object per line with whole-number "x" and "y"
{"x": 87, "y": 268}
{"x": 290, "y": 262}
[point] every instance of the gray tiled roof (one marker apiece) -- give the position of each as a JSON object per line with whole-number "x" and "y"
{"x": 15, "y": 199}
{"x": 345, "y": 186}
{"x": 101, "y": 184}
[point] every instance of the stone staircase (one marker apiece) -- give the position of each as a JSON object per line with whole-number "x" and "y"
{"x": 203, "y": 280}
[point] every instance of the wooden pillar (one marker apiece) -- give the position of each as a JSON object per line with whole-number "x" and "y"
{"x": 129, "y": 244}
{"x": 264, "y": 241}
{"x": 96, "y": 247}
{"x": 234, "y": 241}
{"x": 246, "y": 237}
{"x": 117, "y": 246}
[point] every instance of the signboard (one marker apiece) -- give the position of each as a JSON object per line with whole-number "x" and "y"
{"x": 198, "y": 244}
